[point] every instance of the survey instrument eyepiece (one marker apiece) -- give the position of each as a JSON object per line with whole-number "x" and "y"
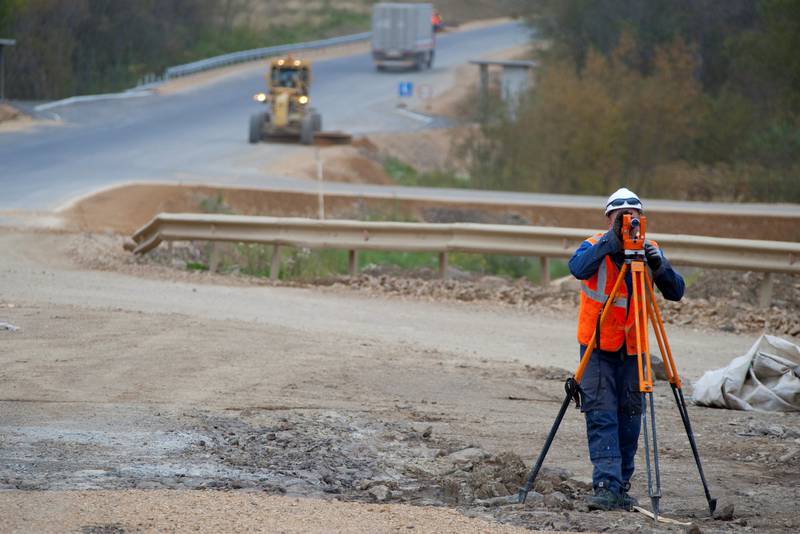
{"x": 633, "y": 234}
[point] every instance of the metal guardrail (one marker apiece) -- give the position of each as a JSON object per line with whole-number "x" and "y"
{"x": 259, "y": 53}
{"x": 545, "y": 242}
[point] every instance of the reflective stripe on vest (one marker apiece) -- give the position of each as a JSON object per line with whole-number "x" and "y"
{"x": 600, "y": 295}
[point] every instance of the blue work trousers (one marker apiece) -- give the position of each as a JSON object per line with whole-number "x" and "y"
{"x": 612, "y": 404}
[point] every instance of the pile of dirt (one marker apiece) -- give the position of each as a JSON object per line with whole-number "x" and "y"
{"x": 426, "y": 150}
{"x": 9, "y": 113}
{"x": 12, "y": 119}
{"x": 349, "y": 164}
{"x": 729, "y": 301}
{"x": 467, "y": 288}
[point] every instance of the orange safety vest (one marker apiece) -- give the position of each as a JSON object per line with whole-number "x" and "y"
{"x": 618, "y": 327}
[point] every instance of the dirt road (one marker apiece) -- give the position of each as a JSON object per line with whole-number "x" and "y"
{"x": 146, "y": 386}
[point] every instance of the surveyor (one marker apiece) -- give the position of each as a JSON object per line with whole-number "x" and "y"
{"x": 609, "y": 390}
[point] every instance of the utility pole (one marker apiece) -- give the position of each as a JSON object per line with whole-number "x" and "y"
{"x": 3, "y": 44}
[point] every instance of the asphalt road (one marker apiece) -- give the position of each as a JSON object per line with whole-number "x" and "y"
{"x": 199, "y": 135}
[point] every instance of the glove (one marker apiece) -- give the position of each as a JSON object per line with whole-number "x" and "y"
{"x": 653, "y": 255}
{"x": 617, "y": 227}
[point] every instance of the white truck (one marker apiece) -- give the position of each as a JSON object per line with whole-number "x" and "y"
{"x": 402, "y": 35}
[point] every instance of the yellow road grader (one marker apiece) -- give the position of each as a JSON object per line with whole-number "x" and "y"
{"x": 289, "y": 116}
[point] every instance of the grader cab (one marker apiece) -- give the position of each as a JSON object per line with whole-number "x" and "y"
{"x": 289, "y": 116}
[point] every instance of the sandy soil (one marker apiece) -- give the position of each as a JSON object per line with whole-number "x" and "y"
{"x": 216, "y": 511}
{"x": 158, "y": 383}
{"x": 13, "y": 120}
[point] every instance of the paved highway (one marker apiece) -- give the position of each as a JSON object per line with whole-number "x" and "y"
{"x": 199, "y": 135}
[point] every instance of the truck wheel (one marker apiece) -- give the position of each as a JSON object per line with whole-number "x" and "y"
{"x": 256, "y": 125}
{"x": 419, "y": 61}
{"x": 307, "y": 130}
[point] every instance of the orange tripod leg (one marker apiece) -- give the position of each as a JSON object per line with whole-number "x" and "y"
{"x": 639, "y": 309}
{"x": 677, "y": 391}
{"x": 571, "y": 389}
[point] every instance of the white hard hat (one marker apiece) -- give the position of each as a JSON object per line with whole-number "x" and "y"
{"x": 623, "y": 198}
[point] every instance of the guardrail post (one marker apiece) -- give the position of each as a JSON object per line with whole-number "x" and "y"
{"x": 765, "y": 291}
{"x": 443, "y": 264}
{"x": 352, "y": 262}
{"x": 484, "y": 91}
{"x": 544, "y": 278}
{"x": 213, "y": 263}
{"x": 275, "y": 265}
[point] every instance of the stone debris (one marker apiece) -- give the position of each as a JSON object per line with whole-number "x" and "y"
{"x": 725, "y": 513}
{"x": 714, "y": 300}
{"x": 761, "y": 428}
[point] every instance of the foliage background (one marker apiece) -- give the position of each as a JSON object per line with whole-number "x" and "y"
{"x": 69, "y": 47}
{"x": 694, "y": 99}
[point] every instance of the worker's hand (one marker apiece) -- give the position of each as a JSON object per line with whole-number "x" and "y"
{"x": 653, "y": 255}
{"x": 617, "y": 228}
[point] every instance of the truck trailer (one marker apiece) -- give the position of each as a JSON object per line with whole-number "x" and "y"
{"x": 402, "y": 35}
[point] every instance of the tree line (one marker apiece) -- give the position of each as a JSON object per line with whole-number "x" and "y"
{"x": 675, "y": 98}
{"x": 69, "y": 47}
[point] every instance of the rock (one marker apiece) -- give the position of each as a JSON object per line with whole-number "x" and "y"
{"x": 149, "y": 485}
{"x": 657, "y": 364}
{"x": 725, "y": 513}
{"x": 580, "y": 483}
{"x": 451, "y": 488}
{"x": 544, "y": 486}
{"x": 567, "y": 283}
{"x": 468, "y": 455}
{"x": 558, "y": 501}
{"x": 423, "y": 429}
{"x": 380, "y": 493}
{"x": 789, "y": 455}
{"x": 193, "y": 483}
{"x": 555, "y": 473}
{"x": 693, "y": 529}
{"x": 581, "y": 506}
{"x": 497, "y": 501}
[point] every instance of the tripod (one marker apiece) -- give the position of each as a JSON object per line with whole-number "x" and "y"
{"x": 643, "y": 307}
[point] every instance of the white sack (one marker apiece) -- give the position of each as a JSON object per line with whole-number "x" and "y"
{"x": 767, "y": 378}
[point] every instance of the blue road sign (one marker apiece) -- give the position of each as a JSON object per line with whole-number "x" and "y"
{"x": 405, "y": 89}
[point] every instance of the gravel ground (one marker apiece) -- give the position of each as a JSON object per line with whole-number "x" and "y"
{"x": 715, "y": 300}
{"x": 146, "y": 398}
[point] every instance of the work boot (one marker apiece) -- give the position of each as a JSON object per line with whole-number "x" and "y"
{"x": 627, "y": 501}
{"x": 603, "y": 499}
